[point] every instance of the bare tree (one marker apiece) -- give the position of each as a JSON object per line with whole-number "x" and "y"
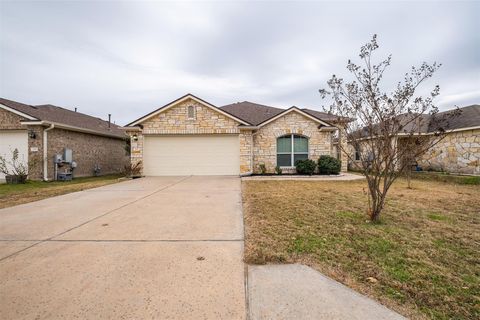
{"x": 410, "y": 148}
{"x": 383, "y": 124}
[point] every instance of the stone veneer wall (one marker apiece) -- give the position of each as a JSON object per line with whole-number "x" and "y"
{"x": 174, "y": 121}
{"x": 246, "y": 156}
{"x": 136, "y": 147}
{"x": 265, "y": 139}
{"x": 458, "y": 152}
{"x": 342, "y": 139}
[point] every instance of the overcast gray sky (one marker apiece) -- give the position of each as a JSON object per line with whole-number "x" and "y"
{"x": 127, "y": 58}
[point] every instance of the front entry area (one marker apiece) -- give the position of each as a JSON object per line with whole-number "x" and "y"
{"x": 191, "y": 155}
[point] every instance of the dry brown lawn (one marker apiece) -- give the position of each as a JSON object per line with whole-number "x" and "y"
{"x": 15, "y": 194}
{"x": 422, "y": 260}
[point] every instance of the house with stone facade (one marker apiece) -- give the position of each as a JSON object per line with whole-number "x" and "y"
{"x": 457, "y": 152}
{"x": 42, "y": 131}
{"x": 190, "y": 136}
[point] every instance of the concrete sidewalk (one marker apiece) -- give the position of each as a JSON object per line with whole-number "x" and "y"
{"x": 151, "y": 248}
{"x": 344, "y": 176}
{"x": 295, "y": 291}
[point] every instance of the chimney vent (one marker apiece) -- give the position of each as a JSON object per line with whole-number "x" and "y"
{"x": 109, "y": 119}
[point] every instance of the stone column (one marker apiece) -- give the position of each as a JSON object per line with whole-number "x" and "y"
{"x": 343, "y": 145}
{"x": 136, "y": 146}
{"x": 246, "y": 149}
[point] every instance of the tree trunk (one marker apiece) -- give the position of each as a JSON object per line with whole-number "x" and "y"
{"x": 375, "y": 210}
{"x": 377, "y": 200}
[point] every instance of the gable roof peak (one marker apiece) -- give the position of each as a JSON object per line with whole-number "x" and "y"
{"x": 181, "y": 99}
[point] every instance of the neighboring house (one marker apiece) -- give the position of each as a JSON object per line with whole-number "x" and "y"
{"x": 41, "y": 132}
{"x": 457, "y": 152}
{"x": 192, "y": 136}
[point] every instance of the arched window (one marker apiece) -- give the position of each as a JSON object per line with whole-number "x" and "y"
{"x": 291, "y": 148}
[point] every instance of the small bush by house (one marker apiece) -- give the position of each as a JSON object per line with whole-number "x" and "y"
{"x": 263, "y": 168}
{"x": 306, "y": 166}
{"x": 328, "y": 165}
{"x": 278, "y": 170}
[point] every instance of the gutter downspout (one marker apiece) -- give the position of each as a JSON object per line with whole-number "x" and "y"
{"x": 45, "y": 152}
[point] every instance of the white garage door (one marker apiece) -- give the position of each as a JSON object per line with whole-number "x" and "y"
{"x": 11, "y": 139}
{"x": 191, "y": 155}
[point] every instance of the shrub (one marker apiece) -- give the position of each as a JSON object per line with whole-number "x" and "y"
{"x": 133, "y": 170}
{"x": 278, "y": 170}
{"x": 15, "y": 170}
{"x": 328, "y": 165}
{"x": 306, "y": 166}
{"x": 263, "y": 168}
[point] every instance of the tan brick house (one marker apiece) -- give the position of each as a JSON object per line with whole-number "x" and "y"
{"x": 191, "y": 136}
{"x": 457, "y": 152}
{"x": 41, "y": 132}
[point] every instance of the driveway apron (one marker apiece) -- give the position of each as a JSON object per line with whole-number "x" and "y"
{"x": 151, "y": 248}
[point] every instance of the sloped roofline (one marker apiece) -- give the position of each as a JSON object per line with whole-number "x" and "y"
{"x": 179, "y": 100}
{"x": 39, "y": 119}
{"x": 70, "y": 128}
{"x": 19, "y": 113}
{"x": 295, "y": 109}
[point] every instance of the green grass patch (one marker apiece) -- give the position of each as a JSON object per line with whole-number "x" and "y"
{"x": 446, "y": 177}
{"x": 437, "y": 217}
{"x": 38, "y": 185}
{"x": 306, "y": 244}
{"x": 14, "y": 194}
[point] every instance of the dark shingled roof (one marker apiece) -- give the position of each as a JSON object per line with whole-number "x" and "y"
{"x": 447, "y": 120}
{"x": 469, "y": 117}
{"x": 256, "y": 114}
{"x": 51, "y": 113}
{"x": 252, "y": 113}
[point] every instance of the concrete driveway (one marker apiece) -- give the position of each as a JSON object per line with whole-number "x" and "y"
{"x": 152, "y": 248}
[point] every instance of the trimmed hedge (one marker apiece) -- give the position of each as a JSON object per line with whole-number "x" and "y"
{"x": 306, "y": 166}
{"x": 328, "y": 165}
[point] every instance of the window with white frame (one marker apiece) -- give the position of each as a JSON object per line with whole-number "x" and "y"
{"x": 291, "y": 148}
{"x": 191, "y": 112}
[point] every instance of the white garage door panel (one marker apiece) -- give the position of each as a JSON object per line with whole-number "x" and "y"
{"x": 11, "y": 139}
{"x": 191, "y": 155}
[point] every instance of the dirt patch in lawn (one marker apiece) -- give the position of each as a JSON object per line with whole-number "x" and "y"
{"x": 15, "y": 194}
{"x": 422, "y": 260}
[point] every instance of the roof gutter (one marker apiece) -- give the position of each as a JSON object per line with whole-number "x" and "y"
{"x": 68, "y": 127}
{"x": 248, "y": 127}
{"x": 133, "y": 128}
{"x": 328, "y": 128}
{"x": 45, "y": 151}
